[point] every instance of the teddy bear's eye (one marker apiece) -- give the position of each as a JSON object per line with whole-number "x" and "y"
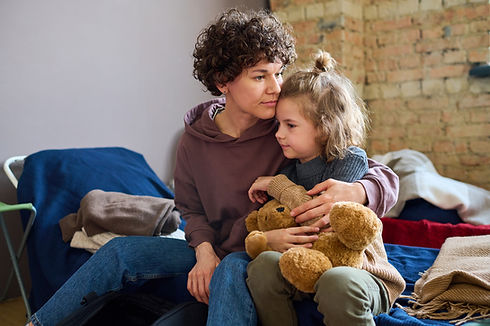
{"x": 280, "y": 209}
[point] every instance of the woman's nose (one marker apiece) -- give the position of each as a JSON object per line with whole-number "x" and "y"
{"x": 274, "y": 86}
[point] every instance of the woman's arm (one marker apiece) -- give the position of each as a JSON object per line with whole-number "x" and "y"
{"x": 188, "y": 202}
{"x": 378, "y": 190}
{"x": 200, "y": 275}
{"x": 198, "y": 231}
{"x": 381, "y": 186}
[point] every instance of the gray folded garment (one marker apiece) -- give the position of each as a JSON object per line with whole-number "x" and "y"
{"x": 120, "y": 213}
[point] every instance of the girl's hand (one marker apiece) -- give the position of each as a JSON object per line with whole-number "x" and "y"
{"x": 200, "y": 275}
{"x": 331, "y": 191}
{"x": 300, "y": 236}
{"x": 258, "y": 190}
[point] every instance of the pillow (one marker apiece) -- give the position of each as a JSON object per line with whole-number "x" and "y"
{"x": 419, "y": 209}
{"x": 425, "y": 233}
{"x": 55, "y": 181}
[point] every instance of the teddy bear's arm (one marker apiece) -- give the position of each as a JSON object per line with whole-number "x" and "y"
{"x": 256, "y": 243}
{"x": 287, "y": 192}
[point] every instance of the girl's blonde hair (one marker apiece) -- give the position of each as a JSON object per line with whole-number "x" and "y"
{"x": 331, "y": 102}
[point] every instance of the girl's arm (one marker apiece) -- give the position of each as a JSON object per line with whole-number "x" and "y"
{"x": 283, "y": 239}
{"x": 258, "y": 190}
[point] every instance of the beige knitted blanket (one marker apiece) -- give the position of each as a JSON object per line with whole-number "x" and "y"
{"x": 457, "y": 286}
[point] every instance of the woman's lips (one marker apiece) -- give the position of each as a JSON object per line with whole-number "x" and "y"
{"x": 270, "y": 103}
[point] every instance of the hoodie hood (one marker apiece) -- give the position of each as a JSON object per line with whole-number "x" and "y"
{"x": 198, "y": 123}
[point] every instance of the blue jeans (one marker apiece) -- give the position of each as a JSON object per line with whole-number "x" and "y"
{"x": 135, "y": 262}
{"x": 230, "y": 302}
{"x": 123, "y": 263}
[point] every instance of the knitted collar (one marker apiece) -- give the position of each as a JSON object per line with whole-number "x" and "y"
{"x": 311, "y": 168}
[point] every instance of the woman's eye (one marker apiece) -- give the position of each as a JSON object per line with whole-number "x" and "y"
{"x": 259, "y": 77}
{"x": 290, "y": 125}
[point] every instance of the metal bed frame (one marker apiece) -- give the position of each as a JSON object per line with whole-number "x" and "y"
{"x": 15, "y": 256}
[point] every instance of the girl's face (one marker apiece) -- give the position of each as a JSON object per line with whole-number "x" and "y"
{"x": 296, "y": 134}
{"x": 255, "y": 90}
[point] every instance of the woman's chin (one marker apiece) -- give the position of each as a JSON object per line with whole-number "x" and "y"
{"x": 267, "y": 114}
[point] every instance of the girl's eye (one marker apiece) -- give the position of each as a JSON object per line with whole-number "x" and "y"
{"x": 290, "y": 125}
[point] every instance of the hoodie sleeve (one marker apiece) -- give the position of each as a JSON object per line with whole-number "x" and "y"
{"x": 381, "y": 185}
{"x": 187, "y": 201}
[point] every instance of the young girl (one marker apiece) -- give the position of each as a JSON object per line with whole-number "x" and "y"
{"x": 321, "y": 136}
{"x": 321, "y": 120}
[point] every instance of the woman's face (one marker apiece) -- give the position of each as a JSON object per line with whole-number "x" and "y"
{"x": 255, "y": 90}
{"x": 296, "y": 134}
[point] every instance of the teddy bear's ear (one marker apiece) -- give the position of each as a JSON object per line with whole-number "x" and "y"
{"x": 251, "y": 221}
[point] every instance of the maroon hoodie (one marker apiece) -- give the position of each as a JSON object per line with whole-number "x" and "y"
{"x": 214, "y": 172}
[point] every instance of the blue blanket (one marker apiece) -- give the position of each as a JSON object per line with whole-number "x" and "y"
{"x": 55, "y": 181}
{"x": 409, "y": 261}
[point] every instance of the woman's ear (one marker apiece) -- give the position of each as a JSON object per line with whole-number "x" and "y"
{"x": 220, "y": 84}
{"x": 222, "y": 88}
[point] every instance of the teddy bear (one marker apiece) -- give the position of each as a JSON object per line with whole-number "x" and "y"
{"x": 354, "y": 226}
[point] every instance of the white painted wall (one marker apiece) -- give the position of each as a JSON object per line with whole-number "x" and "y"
{"x": 98, "y": 73}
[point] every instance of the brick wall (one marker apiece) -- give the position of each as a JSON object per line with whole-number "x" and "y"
{"x": 410, "y": 60}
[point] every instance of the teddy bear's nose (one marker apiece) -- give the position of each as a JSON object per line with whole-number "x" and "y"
{"x": 280, "y": 209}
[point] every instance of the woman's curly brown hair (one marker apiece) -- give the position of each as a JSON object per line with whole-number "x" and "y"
{"x": 239, "y": 40}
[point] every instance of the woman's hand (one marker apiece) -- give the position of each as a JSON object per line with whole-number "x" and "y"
{"x": 283, "y": 239}
{"x": 331, "y": 191}
{"x": 200, "y": 275}
{"x": 258, "y": 190}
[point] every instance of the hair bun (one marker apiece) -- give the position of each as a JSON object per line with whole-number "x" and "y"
{"x": 324, "y": 62}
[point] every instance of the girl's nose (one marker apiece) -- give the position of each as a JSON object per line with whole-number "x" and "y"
{"x": 278, "y": 133}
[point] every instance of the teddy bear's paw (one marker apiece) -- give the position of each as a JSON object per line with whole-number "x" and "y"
{"x": 255, "y": 243}
{"x": 356, "y": 225}
{"x": 302, "y": 267}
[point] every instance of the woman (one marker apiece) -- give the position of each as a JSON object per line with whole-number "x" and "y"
{"x": 227, "y": 143}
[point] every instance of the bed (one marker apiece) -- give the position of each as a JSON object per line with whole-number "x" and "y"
{"x": 55, "y": 181}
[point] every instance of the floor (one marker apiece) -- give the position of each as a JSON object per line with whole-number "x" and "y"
{"x": 12, "y": 312}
